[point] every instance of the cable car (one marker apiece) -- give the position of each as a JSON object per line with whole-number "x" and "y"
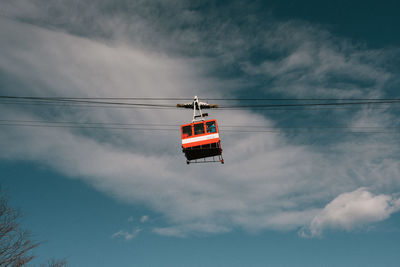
{"x": 200, "y": 138}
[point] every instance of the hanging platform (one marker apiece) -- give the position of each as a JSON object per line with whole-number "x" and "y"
{"x": 205, "y": 152}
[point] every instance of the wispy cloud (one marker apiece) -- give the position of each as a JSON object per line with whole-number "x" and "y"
{"x": 269, "y": 181}
{"x": 144, "y": 218}
{"x": 312, "y": 62}
{"x": 126, "y": 235}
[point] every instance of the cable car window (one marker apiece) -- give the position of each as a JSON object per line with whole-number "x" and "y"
{"x": 198, "y": 128}
{"x": 187, "y": 131}
{"x": 211, "y": 128}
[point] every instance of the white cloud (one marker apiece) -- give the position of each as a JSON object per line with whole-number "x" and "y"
{"x": 126, "y": 235}
{"x": 268, "y": 182}
{"x": 144, "y": 218}
{"x": 352, "y": 210}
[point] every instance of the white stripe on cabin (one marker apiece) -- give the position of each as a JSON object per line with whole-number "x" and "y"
{"x": 200, "y": 138}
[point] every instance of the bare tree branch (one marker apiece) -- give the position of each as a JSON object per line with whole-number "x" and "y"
{"x": 15, "y": 243}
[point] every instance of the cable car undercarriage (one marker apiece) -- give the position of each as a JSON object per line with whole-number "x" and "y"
{"x": 211, "y": 151}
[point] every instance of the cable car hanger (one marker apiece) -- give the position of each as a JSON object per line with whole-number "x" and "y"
{"x": 200, "y": 138}
{"x": 196, "y": 105}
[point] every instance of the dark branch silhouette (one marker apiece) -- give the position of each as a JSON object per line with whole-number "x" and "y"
{"x": 15, "y": 243}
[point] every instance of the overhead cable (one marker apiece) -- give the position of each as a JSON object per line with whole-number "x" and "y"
{"x": 58, "y": 100}
{"x": 223, "y": 128}
{"x": 190, "y": 99}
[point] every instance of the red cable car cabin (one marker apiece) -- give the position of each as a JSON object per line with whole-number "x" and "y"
{"x": 201, "y": 140}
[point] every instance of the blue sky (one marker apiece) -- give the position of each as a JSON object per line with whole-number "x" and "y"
{"x": 291, "y": 197}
